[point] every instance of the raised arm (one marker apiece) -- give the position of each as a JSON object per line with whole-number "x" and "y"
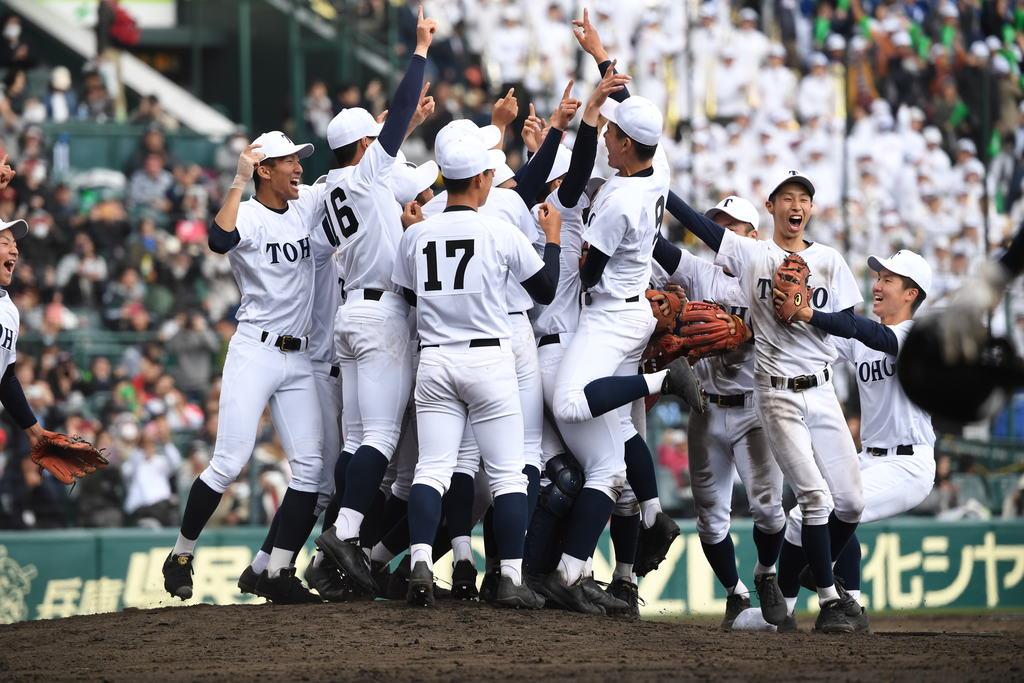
{"x": 542, "y": 285}
{"x": 709, "y": 232}
{"x": 534, "y": 174}
{"x": 848, "y": 324}
{"x": 589, "y": 39}
{"x": 408, "y": 94}
{"x": 223, "y": 235}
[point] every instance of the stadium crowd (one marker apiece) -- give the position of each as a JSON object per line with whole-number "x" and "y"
{"x": 908, "y": 115}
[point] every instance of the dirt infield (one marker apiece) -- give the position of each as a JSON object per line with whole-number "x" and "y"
{"x": 388, "y": 641}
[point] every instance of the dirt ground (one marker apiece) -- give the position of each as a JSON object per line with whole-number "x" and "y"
{"x": 391, "y": 642}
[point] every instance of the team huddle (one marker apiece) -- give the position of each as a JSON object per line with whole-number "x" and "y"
{"x": 486, "y": 355}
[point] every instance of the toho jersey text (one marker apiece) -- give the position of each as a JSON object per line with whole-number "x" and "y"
{"x": 888, "y": 418}
{"x": 797, "y": 349}
{"x": 10, "y": 323}
{"x": 457, "y": 263}
{"x": 273, "y": 264}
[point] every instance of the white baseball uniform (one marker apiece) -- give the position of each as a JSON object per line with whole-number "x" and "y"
{"x": 457, "y": 263}
{"x": 614, "y": 325}
{"x": 729, "y": 434}
{"x": 372, "y": 328}
{"x": 10, "y": 323}
{"x": 897, "y": 462}
{"x": 805, "y": 425}
{"x": 274, "y": 268}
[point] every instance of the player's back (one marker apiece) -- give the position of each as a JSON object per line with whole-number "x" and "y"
{"x": 457, "y": 263}
{"x": 364, "y": 220}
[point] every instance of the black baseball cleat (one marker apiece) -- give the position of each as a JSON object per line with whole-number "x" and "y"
{"x": 285, "y": 588}
{"x": 464, "y": 581}
{"x": 349, "y": 557}
{"x": 518, "y": 597}
{"x": 843, "y": 615}
{"x": 248, "y": 580}
{"x": 680, "y": 381}
{"x": 654, "y": 544}
{"x": 381, "y": 578}
{"x": 572, "y": 597}
{"x": 178, "y": 575}
{"x": 398, "y": 583}
{"x": 734, "y": 604}
{"x": 599, "y": 596}
{"x": 489, "y": 586}
{"x": 329, "y": 583}
{"x": 628, "y": 592}
{"x": 773, "y": 603}
{"x": 788, "y": 625}
{"x": 421, "y": 586}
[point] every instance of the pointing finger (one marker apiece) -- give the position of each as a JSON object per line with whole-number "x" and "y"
{"x": 423, "y": 92}
{"x": 586, "y": 17}
{"x": 568, "y": 90}
{"x": 420, "y": 17}
{"x": 533, "y": 112}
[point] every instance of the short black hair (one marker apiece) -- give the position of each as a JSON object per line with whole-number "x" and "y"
{"x": 256, "y": 176}
{"x": 908, "y": 283}
{"x": 643, "y": 152}
{"x": 346, "y": 154}
{"x": 456, "y": 186}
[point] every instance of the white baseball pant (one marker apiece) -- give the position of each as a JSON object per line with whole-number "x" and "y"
{"x": 328, "y": 391}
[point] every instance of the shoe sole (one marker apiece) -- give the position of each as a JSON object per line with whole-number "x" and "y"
{"x": 366, "y": 584}
{"x": 420, "y": 596}
{"x": 246, "y": 589}
{"x": 517, "y": 602}
{"x": 838, "y": 629}
{"x": 464, "y": 592}
{"x": 185, "y": 593}
{"x": 659, "y": 557}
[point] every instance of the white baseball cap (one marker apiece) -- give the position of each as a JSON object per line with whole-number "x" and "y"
{"x": 793, "y": 177}
{"x": 735, "y": 207}
{"x": 408, "y": 180}
{"x": 502, "y": 171}
{"x": 489, "y": 135}
{"x": 932, "y": 135}
{"x": 638, "y": 117}
{"x": 18, "y": 227}
{"x": 354, "y": 123}
{"x": 275, "y": 144}
{"x": 465, "y": 157}
{"x": 966, "y": 145}
{"x": 906, "y": 263}
{"x": 561, "y": 165}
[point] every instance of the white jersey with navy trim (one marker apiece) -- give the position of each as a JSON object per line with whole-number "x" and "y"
{"x": 457, "y": 263}
{"x": 797, "y": 349}
{"x": 326, "y": 287}
{"x": 273, "y": 264}
{"x": 887, "y": 416}
{"x": 563, "y": 313}
{"x": 10, "y": 323}
{"x": 623, "y": 223}
{"x": 364, "y": 220}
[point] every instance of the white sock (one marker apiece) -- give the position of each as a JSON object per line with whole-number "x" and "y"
{"x": 760, "y": 569}
{"x": 588, "y": 567}
{"x": 318, "y": 557}
{"x": 740, "y": 588}
{"x": 513, "y": 569}
{"x": 623, "y": 571}
{"x": 461, "y": 548}
{"x": 347, "y": 524}
{"x": 279, "y": 559}
{"x": 649, "y": 509}
{"x": 184, "y": 546}
{"x": 791, "y": 605}
{"x": 380, "y": 553}
{"x": 855, "y": 595}
{"x": 827, "y": 594}
{"x": 421, "y": 552}
{"x": 570, "y": 569}
{"x": 654, "y": 381}
{"x": 259, "y": 563}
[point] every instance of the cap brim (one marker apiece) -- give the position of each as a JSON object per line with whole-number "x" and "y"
{"x": 876, "y": 264}
{"x": 495, "y": 160}
{"x": 608, "y": 110}
{"x": 800, "y": 180}
{"x": 426, "y": 174}
{"x": 19, "y": 228}
{"x": 490, "y": 135}
{"x": 302, "y": 151}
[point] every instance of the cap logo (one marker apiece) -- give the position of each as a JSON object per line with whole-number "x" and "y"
{"x": 793, "y": 173}
{"x": 727, "y": 202}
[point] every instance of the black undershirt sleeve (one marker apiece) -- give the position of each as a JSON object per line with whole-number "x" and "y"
{"x": 709, "y": 232}
{"x": 848, "y": 324}
{"x": 667, "y": 254}
{"x": 13, "y": 399}
{"x": 593, "y": 267}
{"x": 534, "y": 173}
{"x": 220, "y": 240}
{"x": 621, "y": 95}
{"x": 581, "y": 163}
{"x": 403, "y": 106}
{"x": 542, "y": 285}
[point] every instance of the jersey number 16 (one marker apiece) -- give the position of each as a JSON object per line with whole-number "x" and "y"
{"x": 341, "y": 214}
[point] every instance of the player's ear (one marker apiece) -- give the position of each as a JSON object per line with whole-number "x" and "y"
{"x": 768, "y": 204}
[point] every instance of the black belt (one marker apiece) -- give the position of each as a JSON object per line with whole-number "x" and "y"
{"x": 801, "y": 383}
{"x": 335, "y": 371}
{"x": 734, "y": 401}
{"x": 285, "y": 342}
{"x": 473, "y": 344}
{"x": 548, "y": 339}
{"x": 518, "y": 313}
{"x": 587, "y": 299}
{"x": 373, "y": 294}
{"x": 900, "y": 450}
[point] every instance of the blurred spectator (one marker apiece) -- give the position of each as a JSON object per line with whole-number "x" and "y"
{"x": 194, "y": 346}
{"x": 60, "y": 101}
{"x": 674, "y": 456}
{"x": 14, "y": 51}
{"x": 151, "y": 112}
{"x": 149, "y": 189}
{"x": 148, "y": 472}
{"x": 96, "y": 104}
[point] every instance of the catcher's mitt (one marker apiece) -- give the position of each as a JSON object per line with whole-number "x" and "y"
{"x": 666, "y": 322}
{"x": 661, "y": 350}
{"x": 702, "y": 333}
{"x": 791, "y": 280}
{"x": 67, "y": 457}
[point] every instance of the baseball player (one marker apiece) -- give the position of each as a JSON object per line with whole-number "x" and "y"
{"x": 267, "y": 239}
{"x": 373, "y": 330}
{"x": 596, "y": 380}
{"x": 729, "y": 437}
{"x": 793, "y": 396}
{"x": 453, "y": 267}
{"x": 897, "y": 462}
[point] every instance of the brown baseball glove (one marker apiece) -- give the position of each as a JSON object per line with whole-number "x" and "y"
{"x": 660, "y": 300}
{"x": 661, "y": 350}
{"x": 790, "y": 282}
{"x": 67, "y": 457}
{"x": 703, "y": 333}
